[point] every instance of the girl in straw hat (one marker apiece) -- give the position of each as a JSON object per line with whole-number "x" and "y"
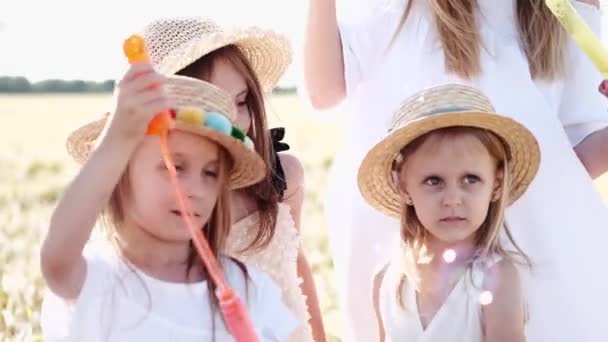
{"x": 247, "y": 62}
{"x": 151, "y": 286}
{"x": 517, "y": 54}
{"x": 447, "y": 169}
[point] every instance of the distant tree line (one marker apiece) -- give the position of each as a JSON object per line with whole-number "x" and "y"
{"x": 23, "y": 85}
{"x": 17, "y": 85}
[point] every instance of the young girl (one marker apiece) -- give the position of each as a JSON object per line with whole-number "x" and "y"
{"x": 247, "y": 62}
{"x": 448, "y": 168}
{"x": 519, "y": 56}
{"x": 151, "y": 286}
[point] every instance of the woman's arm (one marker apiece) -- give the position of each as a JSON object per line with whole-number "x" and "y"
{"x": 323, "y": 57}
{"x": 583, "y": 107}
{"x": 593, "y": 153}
{"x": 294, "y": 197}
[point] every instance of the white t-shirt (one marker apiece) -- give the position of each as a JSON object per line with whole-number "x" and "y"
{"x": 119, "y": 303}
{"x": 561, "y": 221}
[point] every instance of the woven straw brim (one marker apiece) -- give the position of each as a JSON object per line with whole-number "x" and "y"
{"x": 248, "y": 166}
{"x": 268, "y": 52}
{"x": 375, "y": 178}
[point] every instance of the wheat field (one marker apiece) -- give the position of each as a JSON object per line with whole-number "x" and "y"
{"x": 34, "y": 170}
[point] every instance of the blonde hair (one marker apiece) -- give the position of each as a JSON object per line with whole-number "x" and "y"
{"x": 542, "y": 38}
{"x": 487, "y": 238}
{"x": 264, "y": 193}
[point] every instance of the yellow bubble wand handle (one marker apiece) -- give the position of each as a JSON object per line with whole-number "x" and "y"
{"x": 581, "y": 33}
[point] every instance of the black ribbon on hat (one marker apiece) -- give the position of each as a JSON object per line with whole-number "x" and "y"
{"x": 278, "y": 174}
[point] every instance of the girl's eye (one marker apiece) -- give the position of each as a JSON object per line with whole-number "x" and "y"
{"x": 471, "y": 179}
{"x": 179, "y": 168}
{"x": 210, "y": 173}
{"x": 432, "y": 181}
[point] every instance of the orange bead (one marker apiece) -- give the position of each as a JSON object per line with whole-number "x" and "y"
{"x": 161, "y": 123}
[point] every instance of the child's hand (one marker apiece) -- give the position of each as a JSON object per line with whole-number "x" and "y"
{"x": 140, "y": 97}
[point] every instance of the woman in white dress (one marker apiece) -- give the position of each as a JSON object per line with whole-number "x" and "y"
{"x": 516, "y": 53}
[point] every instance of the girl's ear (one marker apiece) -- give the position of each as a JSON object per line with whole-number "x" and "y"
{"x": 498, "y": 185}
{"x": 405, "y": 196}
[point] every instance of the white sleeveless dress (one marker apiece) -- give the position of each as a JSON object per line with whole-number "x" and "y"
{"x": 458, "y": 319}
{"x": 278, "y": 260}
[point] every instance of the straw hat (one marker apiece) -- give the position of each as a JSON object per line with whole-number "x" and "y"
{"x": 200, "y": 108}
{"x": 440, "y": 107}
{"x": 175, "y": 43}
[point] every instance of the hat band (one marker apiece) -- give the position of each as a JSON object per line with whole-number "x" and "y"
{"x": 431, "y": 113}
{"x": 447, "y": 110}
{"x": 216, "y": 121}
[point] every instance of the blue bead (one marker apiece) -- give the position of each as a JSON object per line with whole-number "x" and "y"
{"x": 218, "y": 122}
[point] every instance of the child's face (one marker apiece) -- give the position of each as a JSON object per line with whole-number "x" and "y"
{"x": 228, "y": 78}
{"x": 152, "y": 204}
{"x": 451, "y": 181}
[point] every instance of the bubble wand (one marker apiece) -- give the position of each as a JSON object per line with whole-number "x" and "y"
{"x": 584, "y": 37}
{"x": 233, "y": 309}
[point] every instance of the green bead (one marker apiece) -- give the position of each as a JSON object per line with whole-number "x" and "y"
{"x": 238, "y": 134}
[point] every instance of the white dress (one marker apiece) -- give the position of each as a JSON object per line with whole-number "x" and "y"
{"x": 458, "y": 319}
{"x": 561, "y": 224}
{"x": 119, "y": 303}
{"x": 278, "y": 260}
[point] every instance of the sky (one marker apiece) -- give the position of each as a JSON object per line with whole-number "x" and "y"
{"x": 69, "y": 39}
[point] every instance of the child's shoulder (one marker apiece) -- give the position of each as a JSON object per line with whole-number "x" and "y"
{"x": 502, "y": 280}
{"x": 246, "y": 276}
{"x": 503, "y": 270}
{"x": 498, "y": 266}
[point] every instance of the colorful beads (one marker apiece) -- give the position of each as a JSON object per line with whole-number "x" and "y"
{"x": 238, "y": 134}
{"x": 218, "y": 122}
{"x": 191, "y": 115}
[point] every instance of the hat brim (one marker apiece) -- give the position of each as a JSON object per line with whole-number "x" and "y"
{"x": 248, "y": 167}
{"x": 375, "y": 178}
{"x": 268, "y": 52}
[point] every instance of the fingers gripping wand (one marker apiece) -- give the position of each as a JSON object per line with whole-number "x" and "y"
{"x": 584, "y": 37}
{"x": 233, "y": 309}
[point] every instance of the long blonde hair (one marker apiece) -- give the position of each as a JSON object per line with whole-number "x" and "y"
{"x": 487, "y": 237}
{"x": 264, "y": 193}
{"x": 542, "y": 38}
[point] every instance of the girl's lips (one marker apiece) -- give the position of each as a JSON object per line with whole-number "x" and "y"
{"x": 179, "y": 213}
{"x": 453, "y": 219}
